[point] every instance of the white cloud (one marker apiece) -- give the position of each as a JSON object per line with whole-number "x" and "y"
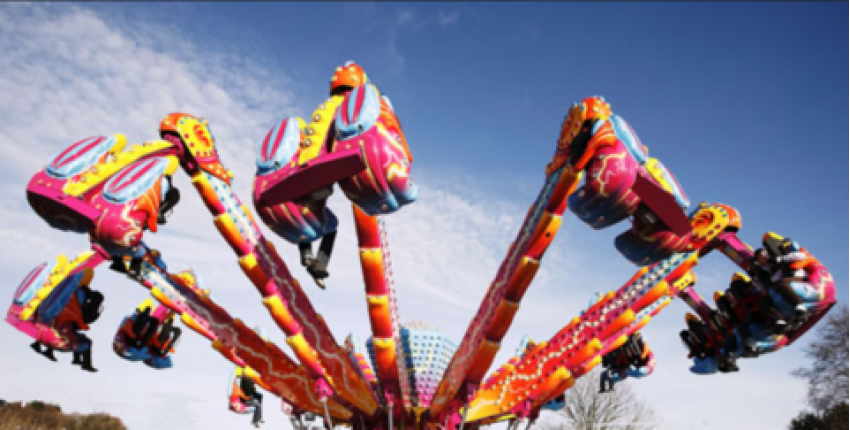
{"x": 448, "y": 18}
{"x": 527, "y": 31}
{"x": 404, "y": 16}
{"x": 68, "y": 73}
{"x": 397, "y": 23}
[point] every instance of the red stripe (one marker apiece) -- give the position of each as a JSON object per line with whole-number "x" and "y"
{"x": 264, "y": 151}
{"x": 344, "y": 107}
{"x": 141, "y": 171}
{"x": 29, "y": 279}
{"x": 361, "y": 95}
{"x": 279, "y": 138}
{"x": 346, "y": 118}
{"x": 82, "y": 151}
{"x": 123, "y": 173}
{"x": 71, "y": 148}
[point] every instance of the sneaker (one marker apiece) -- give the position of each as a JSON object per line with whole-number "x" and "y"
{"x": 728, "y": 367}
{"x": 801, "y": 313}
{"x": 705, "y": 366}
{"x": 728, "y": 363}
{"x": 733, "y": 366}
{"x": 750, "y": 348}
{"x": 781, "y": 326}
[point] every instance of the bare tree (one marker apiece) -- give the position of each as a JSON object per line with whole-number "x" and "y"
{"x": 587, "y": 409}
{"x": 827, "y": 376}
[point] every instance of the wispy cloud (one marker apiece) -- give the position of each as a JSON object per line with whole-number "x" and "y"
{"x": 404, "y": 17}
{"x": 527, "y": 31}
{"x": 448, "y": 18}
{"x": 72, "y": 73}
{"x": 397, "y": 23}
{"x": 69, "y": 73}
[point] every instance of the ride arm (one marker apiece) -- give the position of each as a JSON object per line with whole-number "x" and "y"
{"x": 274, "y": 370}
{"x": 308, "y": 335}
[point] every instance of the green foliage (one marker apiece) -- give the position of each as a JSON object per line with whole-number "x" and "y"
{"x": 806, "y": 421}
{"x": 835, "y": 418}
{"x": 827, "y": 376}
{"x": 42, "y": 407}
{"x": 38, "y": 415}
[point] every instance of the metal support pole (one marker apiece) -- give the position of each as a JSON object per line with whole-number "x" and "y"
{"x": 296, "y": 423}
{"x": 327, "y": 413}
{"x": 463, "y": 417}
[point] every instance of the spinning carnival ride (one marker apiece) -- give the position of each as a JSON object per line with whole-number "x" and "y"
{"x": 113, "y": 192}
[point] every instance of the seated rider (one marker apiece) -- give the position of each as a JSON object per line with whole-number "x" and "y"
{"x": 741, "y": 300}
{"x": 779, "y": 269}
{"x": 632, "y": 359}
{"x": 765, "y": 322}
{"x": 83, "y": 309}
{"x": 748, "y": 340}
{"x": 344, "y": 80}
{"x": 779, "y": 300}
{"x": 137, "y": 252}
{"x": 172, "y": 197}
{"x": 91, "y": 307}
{"x": 753, "y": 333}
{"x": 166, "y": 338}
{"x": 246, "y": 393}
{"x": 144, "y": 327}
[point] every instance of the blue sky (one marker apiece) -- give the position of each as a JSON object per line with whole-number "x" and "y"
{"x": 741, "y": 101}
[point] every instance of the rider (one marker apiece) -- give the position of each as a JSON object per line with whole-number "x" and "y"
{"x": 789, "y": 290}
{"x": 166, "y": 338}
{"x": 83, "y": 308}
{"x": 344, "y": 79}
{"x": 169, "y": 196}
{"x": 778, "y": 269}
{"x": 632, "y": 359}
{"x": 252, "y": 397}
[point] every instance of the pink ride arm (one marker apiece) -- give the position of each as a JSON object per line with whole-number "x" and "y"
{"x": 488, "y": 327}
{"x": 309, "y": 337}
{"x": 735, "y": 249}
{"x": 383, "y": 311}
{"x": 550, "y": 368}
{"x": 237, "y": 342}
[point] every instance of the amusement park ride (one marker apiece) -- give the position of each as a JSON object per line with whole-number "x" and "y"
{"x": 112, "y": 191}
